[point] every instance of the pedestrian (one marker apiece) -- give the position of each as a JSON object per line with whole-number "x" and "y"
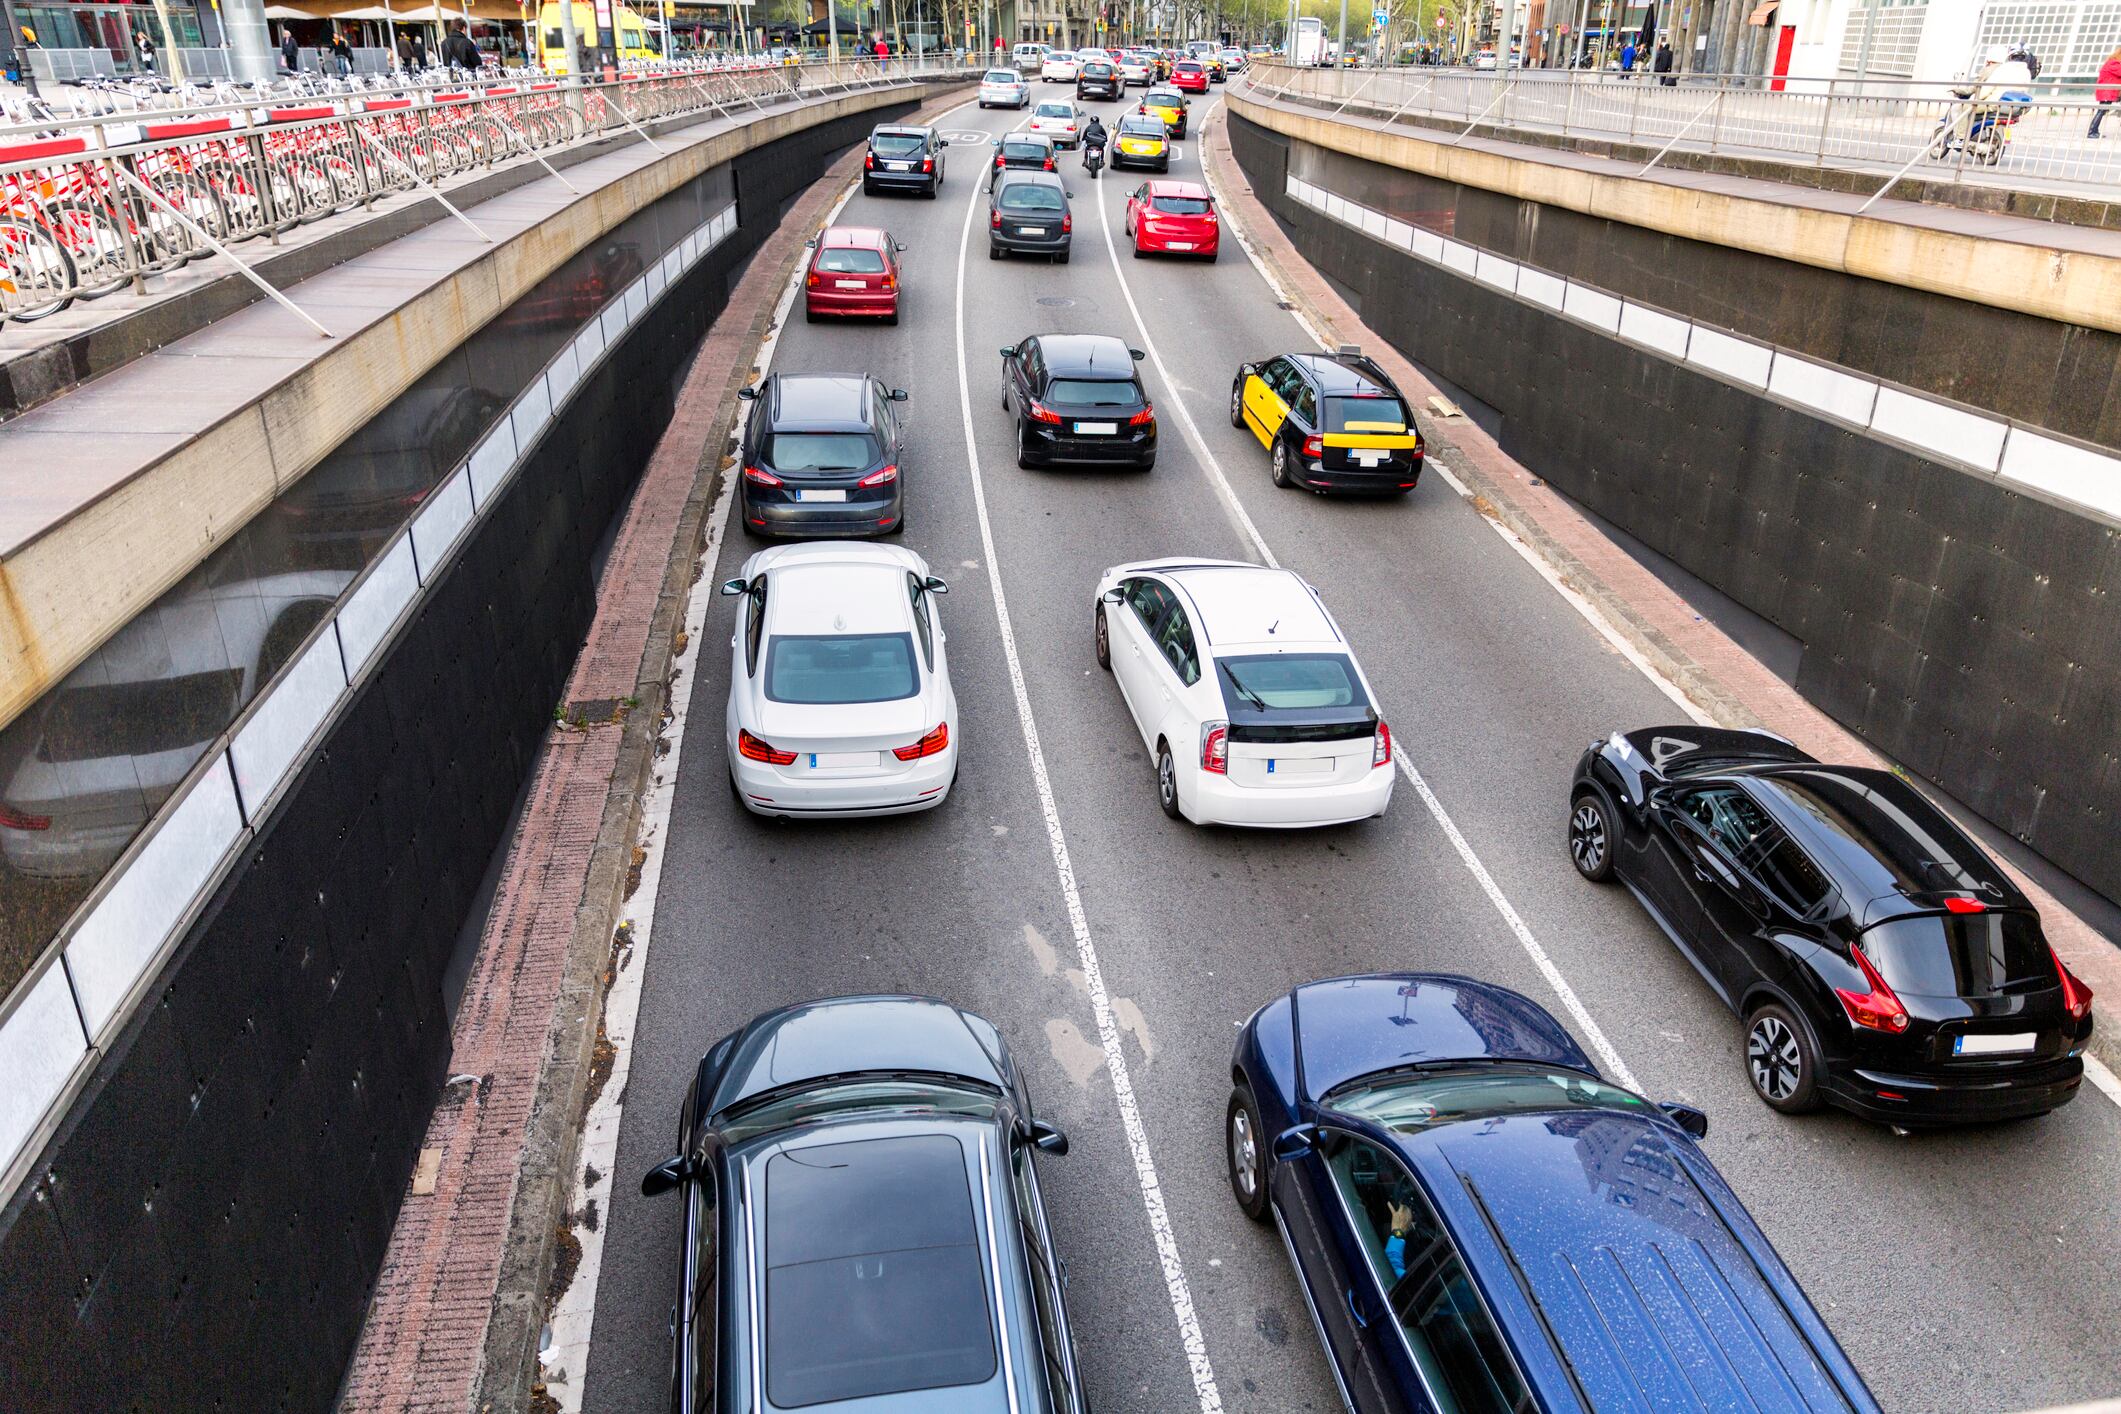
{"x": 290, "y": 52}
{"x": 1662, "y": 64}
{"x": 1627, "y": 58}
{"x": 341, "y": 53}
{"x": 883, "y": 52}
{"x": 419, "y": 50}
{"x": 2109, "y": 90}
{"x": 405, "y": 52}
{"x": 459, "y": 51}
{"x": 145, "y": 43}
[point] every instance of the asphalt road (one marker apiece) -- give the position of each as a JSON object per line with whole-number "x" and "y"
{"x": 1970, "y": 1270}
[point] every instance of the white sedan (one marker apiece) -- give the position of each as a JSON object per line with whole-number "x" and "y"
{"x": 1061, "y": 66}
{"x": 1063, "y": 122}
{"x": 1136, "y": 68}
{"x": 1003, "y": 88}
{"x": 1245, "y": 692}
{"x": 839, "y": 687}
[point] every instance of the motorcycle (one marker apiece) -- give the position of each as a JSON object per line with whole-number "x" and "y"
{"x": 1093, "y": 158}
{"x": 1987, "y": 127}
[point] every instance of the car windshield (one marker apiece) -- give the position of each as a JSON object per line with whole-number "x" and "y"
{"x": 1296, "y": 681}
{"x": 821, "y": 451}
{"x": 1366, "y": 415}
{"x": 1415, "y": 1100}
{"x": 1180, "y": 205}
{"x": 1093, "y": 392}
{"x": 897, "y": 144}
{"x": 1961, "y": 954}
{"x": 875, "y": 1271}
{"x": 850, "y": 260}
{"x": 1055, "y": 110}
{"x": 836, "y": 669}
{"x": 1032, "y": 196}
{"x": 904, "y": 1094}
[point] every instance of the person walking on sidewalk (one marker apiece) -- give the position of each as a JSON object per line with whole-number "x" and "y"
{"x": 459, "y": 51}
{"x": 341, "y": 53}
{"x": 145, "y": 43}
{"x": 2109, "y": 90}
{"x": 290, "y": 52}
{"x": 1627, "y": 59}
{"x": 1662, "y": 64}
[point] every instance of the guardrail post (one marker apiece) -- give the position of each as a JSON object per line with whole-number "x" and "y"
{"x": 133, "y": 233}
{"x": 261, "y": 178}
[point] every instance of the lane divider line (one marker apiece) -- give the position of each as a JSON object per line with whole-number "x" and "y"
{"x": 1608, "y": 1054}
{"x": 1108, "y": 1034}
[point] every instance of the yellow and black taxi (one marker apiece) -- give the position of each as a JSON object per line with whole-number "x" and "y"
{"x": 1168, "y": 104}
{"x": 1142, "y": 143}
{"x": 1330, "y": 421}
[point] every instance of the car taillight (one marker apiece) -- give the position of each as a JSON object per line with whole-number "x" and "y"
{"x": 1314, "y": 447}
{"x": 1071, "y": 127}
{"x": 1964, "y": 905}
{"x": 1067, "y": 224}
{"x": 2076, "y": 997}
{"x": 811, "y": 281}
{"x": 752, "y": 749}
{"x": 1875, "y": 1010}
{"x": 1000, "y": 161}
{"x": 890, "y": 282}
{"x": 759, "y": 476}
{"x": 1143, "y": 418}
{"x": 1381, "y": 747}
{"x": 1215, "y": 748}
{"x": 869, "y": 161}
{"x": 927, "y": 164}
{"x": 996, "y": 222}
{"x": 882, "y": 476}
{"x": 933, "y": 744}
{"x": 13, "y": 819}
{"x": 1049, "y": 165}
{"x": 1041, "y": 413}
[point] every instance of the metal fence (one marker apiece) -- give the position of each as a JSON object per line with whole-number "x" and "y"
{"x": 89, "y": 206}
{"x": 1925, "y": 128}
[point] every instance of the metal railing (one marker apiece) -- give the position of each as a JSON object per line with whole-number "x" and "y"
{"x": 93, "y": 204}
{"x": 1901, "y": 127}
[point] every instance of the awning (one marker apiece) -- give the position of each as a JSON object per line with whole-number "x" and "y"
{"x": 1763, "y": 13}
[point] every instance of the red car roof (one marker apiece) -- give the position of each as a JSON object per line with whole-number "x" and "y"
{"x": 1172, "y": 187}
{"x": 865, "y": 237}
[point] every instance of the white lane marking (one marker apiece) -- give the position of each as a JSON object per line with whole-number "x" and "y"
{"x": 1608, "y": 1055}
{"x": 2108, "y": 1084}
{"x": 1108, "y": 1032}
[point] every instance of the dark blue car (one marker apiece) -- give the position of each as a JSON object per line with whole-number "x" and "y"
{"x": 1480, "y": 1223}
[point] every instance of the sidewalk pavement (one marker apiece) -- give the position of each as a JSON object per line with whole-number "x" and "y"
{"x": 1725, "y": 681}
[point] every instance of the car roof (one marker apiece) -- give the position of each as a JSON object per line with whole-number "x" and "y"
{"x": 1026, "y": 135}
{"x": 821, "y": 401}
{"x": 848, "y": 1035}
{"x": 1610, "y": 1231}
{"x": 1171, "y": 186}
{"x": 1253, "y": 605}
{"x": 901, "y": 129}
{"x": 1085, "y": 356}
{"x": 860, "y": 237}
{"x": 1345, "y": 373}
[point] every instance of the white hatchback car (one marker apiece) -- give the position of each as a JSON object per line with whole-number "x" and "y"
{"x": 1062, "y": 121}
{"x": 1136, "y": 68}
{"x": 1061, "y": 66}
{"x": 1245, "y": 692}
{"x": 1004, "y": 88}
{"x": 839, "y": 686}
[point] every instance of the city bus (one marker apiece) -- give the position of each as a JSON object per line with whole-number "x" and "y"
{"x": 1309, "y": 43}
{"x": 633, "y": 40}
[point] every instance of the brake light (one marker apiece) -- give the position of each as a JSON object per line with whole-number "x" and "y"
{"x": 1875, "y": 1010}
{"x": 1143, "y": 418}
{"x": 1314, "y": 447}
{"x": 1041, "y": 413}
{"x": 927, "y": 164}
{"x": 1964, "y": 905}
{"x": 933, "y": 744}
{"x": 996, "y": 222}
{"x": 890, "y": 282}
{"x": 1000, "y": 161}
{"x": 1067, "y": 224}
{"x": 2076, "y": 997}
{"x": 869, "y": 161}
{"x": 882, "y": 476}
{"x": 13, "y": 819}
{"x": 1215, "y": 748}
{"x": 752, "y": 749}
{"x": 1381, "y": 747}
{"x": 759, "y": 476}
{"x": 811, "y": 281}
{"x": 1049, "y": 165}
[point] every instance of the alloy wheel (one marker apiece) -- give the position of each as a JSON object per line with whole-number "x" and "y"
{"x": 1587, "y": 838}
{"x": 1771, "y": 1055}
{"x": 1167, "y": 783}
{"x": 1244, "y": 1153}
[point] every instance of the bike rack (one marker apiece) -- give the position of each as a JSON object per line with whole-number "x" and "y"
{"x": 219, "y": 249}
{"x": 424, "y": 185}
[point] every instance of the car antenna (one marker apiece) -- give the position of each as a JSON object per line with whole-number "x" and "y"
{"x": 1273, "y": 626}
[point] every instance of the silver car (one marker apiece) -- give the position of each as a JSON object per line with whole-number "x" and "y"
{"x": 1003, "y": 88}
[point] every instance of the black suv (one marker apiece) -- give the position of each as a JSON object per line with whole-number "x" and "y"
{"x": 1078, "y": 399}
{"x": 821, "y": 457}
{"x": 1028, "y": 214}
{"x": 904, "y": 159}
{"x": 1100, "y": 80}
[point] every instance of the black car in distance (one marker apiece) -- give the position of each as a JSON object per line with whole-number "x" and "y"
{"x": 1881, "y": 961}
{"x": 904, "y": 159}
{"x": 1021, "y": 152}
{"x": 820, "y": 457}
{"x": 1027, "y": 214}
{"x": 1099, "y": 79}
{"x": 1078, "y": 400}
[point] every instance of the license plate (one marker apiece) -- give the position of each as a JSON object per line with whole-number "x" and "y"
{"x": 1096, "y": 429}
{"x": 1369, "y": 458}
{"x": 849, "y": 285}
{"x": 898, "y": 166}
{"x": 2009, "y": 1044}
{"x": 1299, "y": 765}
{"x": 821, "y": 495}
{"x": 840, "y": 760}
{"x": 1181, "y": 245}
{"x": 1031, "y": 230}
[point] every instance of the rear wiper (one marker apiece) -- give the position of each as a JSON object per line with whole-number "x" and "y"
{"x": 1257, "y": 703}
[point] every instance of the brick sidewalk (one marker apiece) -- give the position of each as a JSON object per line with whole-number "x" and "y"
{"x": 1727, "y": 682}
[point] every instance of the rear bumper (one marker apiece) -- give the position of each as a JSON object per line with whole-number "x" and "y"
{"x": 1161, "y": 163}
{"x": 1215, "y": 801}
{"x": 795, "y": 792}
{"x": 1029, "y": 245}
{"x": 1943, "y": 1100}
{"x": 899, "y": 181}
{"x": 824, "y": 521}
{"x": 1162, "y": 245}
{"x": 853, "y": 303}
{"x": 1384, "y": 481}
{"x": 1123, "y": 449}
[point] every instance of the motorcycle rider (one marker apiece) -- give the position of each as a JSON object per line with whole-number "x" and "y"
{"x": 1093, "y": 141}
{"x": 2006, "y": 77}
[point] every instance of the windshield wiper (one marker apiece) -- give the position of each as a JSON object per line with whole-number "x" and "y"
{"x": 1253, "y": 699}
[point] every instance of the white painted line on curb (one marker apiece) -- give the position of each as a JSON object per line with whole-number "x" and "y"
{"x": 1181, "y": 1296}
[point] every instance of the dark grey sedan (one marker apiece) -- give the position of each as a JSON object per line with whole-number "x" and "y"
{"x": 1027, "y": 213}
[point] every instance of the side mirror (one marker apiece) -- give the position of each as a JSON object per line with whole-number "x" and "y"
{"x": 898, "y": 245}
{"x": 942, "y": 142}
{"x": 1048, "y": 1140}
{"x": 1114, "y": 596}
{"x": 898, "y": 395}
{"x": 1246, "y": 370}
{"x": 935, "y": 585}
{"x": 1136, "y": 354}
{"x": 810, "y": 244}
{"x": 1292, "y": 1144}
{"x": 1009, "y": 351}
{"x": 666, "y": 1176}
{"x": 1693, "y": 1121}
{"x": 733, "y": 587}
{"x": 747, "y": 394}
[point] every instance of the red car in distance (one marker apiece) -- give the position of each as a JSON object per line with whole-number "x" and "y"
{"x": 1189, "y": 76}
{"x": 1173, "y": 218}
{"x": 854, "y": 272}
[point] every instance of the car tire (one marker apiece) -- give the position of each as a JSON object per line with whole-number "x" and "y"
{"x": 1139, "y": 253}
{"x": 1245, "y": 1153}
{"x": 900, "y": 527}
{"x": 1591, "y": 836}
{"x": 1061, "y": 259}
{"x": 1101, "y": 640}
{"x": 1780, "y": 1060}
{"x": 1214, "y": 253}
{"x": 1167, "y": 781}
{"x": 1024, "y": 458}
{"x": 892, "y": 317}
{"x": 1280, "y": 462}
{"x": 994, "y": 252}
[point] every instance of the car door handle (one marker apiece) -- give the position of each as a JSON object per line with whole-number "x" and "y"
{"x": 1355, "y": 1312}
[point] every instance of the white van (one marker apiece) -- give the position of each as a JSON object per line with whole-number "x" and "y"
{"x": 1028, "y": 57}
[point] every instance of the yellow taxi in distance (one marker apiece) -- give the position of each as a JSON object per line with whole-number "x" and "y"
{"x": 1329, "y": 421}
{"x": 1142, "y": 143}
{"x": 1168, "y": 104}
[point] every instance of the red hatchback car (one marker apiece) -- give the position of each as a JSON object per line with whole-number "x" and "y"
{"x": 1189, "y": 76}
{"x": 1176, "y": 218}
{"x": 853, "y": 271}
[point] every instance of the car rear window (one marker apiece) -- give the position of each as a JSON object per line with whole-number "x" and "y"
{"x": 850, "y": 260}
{"x": 820, "y": 451}
{"x": 1189, "y": 67}
{"x": 1002, "y": 76}
{"x": 1387, "y": 415}
{"x": 1034, "y": 151}
{"x": 837, "y": 669}
{"x": 1030, "y": 196}
{"x": 897, "y": 144}
{"x": 1093, "y": 392}
{"x": 1139, "y": 126}
{"x": 1294, "y": 681}
{"x": 1098, "y": 70}
{"x": 1055, "y": 110}
{"x": 1961, "y": 954}
{"x": 875, "y": 1273}
{"x": 1180, "y": 205}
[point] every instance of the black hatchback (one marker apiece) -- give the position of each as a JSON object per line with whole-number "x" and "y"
{"x": 1021, "y": 152}
{"x": 1881, "y": 961}
{"x": 1100, "y": 80}
{"x": 1027, "y": 213}
{"x": 904, "y": 159}
{"x": 1078, "y": 400}
{"x": 821, "y": 457}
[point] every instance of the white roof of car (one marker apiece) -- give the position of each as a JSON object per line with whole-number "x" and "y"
{"x": 838, "y": 588}
{"x": 1245, "y": 604}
